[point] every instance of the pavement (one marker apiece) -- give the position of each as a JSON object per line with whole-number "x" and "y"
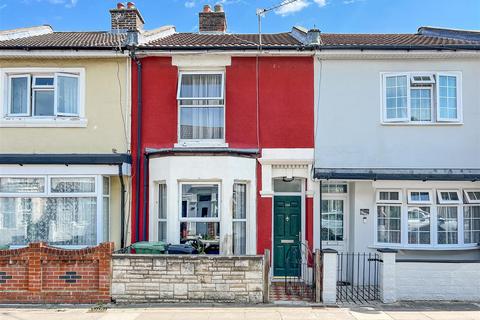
{"x": 403, "y": 311}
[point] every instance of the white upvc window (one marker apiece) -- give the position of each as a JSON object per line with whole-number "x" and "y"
{"x": 239, "y": 218}
{"x": 420, "y": 221}
{"x": 200, "y": 215}
{"x": 65, "y": 211}
{"x": 419, "y": 196}
{"x": 161, "y": 213}
{"x": 42, "y": 97}
{"x": 472, "y": 196}
{"x": 422, "y": 97}
{"x": 201, "y": 104}
{"x": 449, "y": 196}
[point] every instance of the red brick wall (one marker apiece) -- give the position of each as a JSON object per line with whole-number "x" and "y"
{"x": 42, "y": 274}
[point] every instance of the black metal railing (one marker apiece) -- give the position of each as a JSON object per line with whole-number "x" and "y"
{"x": 358, "y": 277}
{"x": 300, "y": 273}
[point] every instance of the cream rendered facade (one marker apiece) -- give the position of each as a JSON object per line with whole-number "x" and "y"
{"x": 103, "y": 127}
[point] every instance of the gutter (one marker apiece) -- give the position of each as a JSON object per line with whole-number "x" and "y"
{"x": 66, "y": 159}
{"x": 206, "y": 150}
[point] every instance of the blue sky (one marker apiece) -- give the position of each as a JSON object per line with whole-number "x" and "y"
{"x": 349, "y": 16}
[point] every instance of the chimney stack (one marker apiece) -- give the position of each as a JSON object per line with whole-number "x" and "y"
{"x": 313, "y": 37}
{"x": 126, "y": 18}
{"x": 212, "y": 21}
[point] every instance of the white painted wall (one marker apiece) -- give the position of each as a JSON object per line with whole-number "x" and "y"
{"x": 351, "y": 135}
{"x": 438, "y": 281}
{"x": 225, "y": 170}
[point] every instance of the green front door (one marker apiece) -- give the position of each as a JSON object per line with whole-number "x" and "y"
{"x": 286, "y": 232}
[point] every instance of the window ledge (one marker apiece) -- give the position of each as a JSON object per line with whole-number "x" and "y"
{"x": 436, "y": 248}
{"x": 187, "y": 145}
{"x": 420, "y": 124}
{"x": 59, "y": 122}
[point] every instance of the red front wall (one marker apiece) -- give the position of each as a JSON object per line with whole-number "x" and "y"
{"x": 284, "y": 115}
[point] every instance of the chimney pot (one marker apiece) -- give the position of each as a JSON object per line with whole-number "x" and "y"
{"x": 130, "y": 5}
{"x": 218, "y": 7}
{"x": 206, "y": 8}
{"x": 120, "y": 6}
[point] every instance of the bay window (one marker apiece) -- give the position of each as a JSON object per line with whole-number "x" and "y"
{"x": 420, "y": 98}
{"x": 62, "y": 211}
{"x": 201, "y": 107}
{"x": 422, "y": 220}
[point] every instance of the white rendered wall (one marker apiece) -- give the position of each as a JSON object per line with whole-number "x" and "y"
{"x": 225, "y": 170}
{"x": 438, "y": 281}
{"x": 350, "y": 132}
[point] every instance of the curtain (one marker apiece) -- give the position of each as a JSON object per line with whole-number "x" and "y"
{"x": 201, "y": 123}
{"x": 239, "y": 218}
{"x": 19, "y": 95}
{"x": 201, "y": 86}
{"x": 67, "y": 95}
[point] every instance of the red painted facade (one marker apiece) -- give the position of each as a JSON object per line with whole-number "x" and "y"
{"x": 283, "y": 117}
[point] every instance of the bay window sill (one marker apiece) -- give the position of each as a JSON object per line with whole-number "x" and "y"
{"x": 200, "y": 144}
{"x": 54, "y": 122}
{"x": 422, "y": 124}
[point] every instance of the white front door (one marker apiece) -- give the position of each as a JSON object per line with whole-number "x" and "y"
{"x": 334, "y": 220}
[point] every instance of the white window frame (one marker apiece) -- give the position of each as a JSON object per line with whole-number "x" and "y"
{"x": 422, "y": 82}
{"x": 442, "y": 201}
{"x": 459, "y": 96}
{"x": 155, "y": 216}
{"x": 388, "y": 204}
{"x": 201, "y": 142}
{"x": 435, "y": 103}
{"x": 384, "y": 95}
{"x": 39, "y": 88}
{"x": 98, "y": 194}
{"x": 400, "y": 196}
{"x": 432, "y": 106}
{"x": 434, "y": 206}
{"x": 467, "y": 197}
{"x": 424, "y": 203}
{"x": 65, "y": 75}
{"x": 197, "y": 219}
{"x": 7, "y": 119}
{"x": 9, "y": 95}
{"x": 246, "y": 214}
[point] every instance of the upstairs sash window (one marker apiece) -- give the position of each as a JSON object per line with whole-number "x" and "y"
{"x": 201, "y": 106}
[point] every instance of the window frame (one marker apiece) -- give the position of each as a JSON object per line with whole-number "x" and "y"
{"x": 424, "y": 203}
{"x": 459, "y": 98}
{"x": 467, "y": 198}
{"x": 245, "y": 220}
{"x": 156, "y": 219}
{"x": 435, "y": 100}
{"x": 400, "y": 196}
{"x": 98, "y": 195}
{"x": 441, "y": 201}
{"x": 9, "y": 95}
{"x": 201, "y": 142}
{"x": 197, "y": 219}
{"x": 9, "y": 119}
{"x": 66, "y": 75}
{"x": 432, "y": 107}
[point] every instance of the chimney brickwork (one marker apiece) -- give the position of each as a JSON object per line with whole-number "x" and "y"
{"x": 212, "y": 21}
{"x": 126, "y": 18}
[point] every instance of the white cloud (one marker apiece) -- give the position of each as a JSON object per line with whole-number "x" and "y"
{"x": 189, "y": 4}
{"x": 321, "y": 3}
{"x": 292, "y": 7}
{"x": 351, "y": 1}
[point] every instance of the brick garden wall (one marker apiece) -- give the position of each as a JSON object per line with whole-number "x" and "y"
{"x": 42, "y": 274}
{"x": 184, "y": 278}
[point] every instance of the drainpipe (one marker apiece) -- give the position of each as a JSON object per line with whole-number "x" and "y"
{"x": 122, "y": 206}
{"x": 321, "y": 223}
{"x": 139, "y": 143}
{"x": 145, "y": 199}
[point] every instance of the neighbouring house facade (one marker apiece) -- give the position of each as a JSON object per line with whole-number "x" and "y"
{"x": 64, "y": 137}
{"x": 226, "y": 135}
